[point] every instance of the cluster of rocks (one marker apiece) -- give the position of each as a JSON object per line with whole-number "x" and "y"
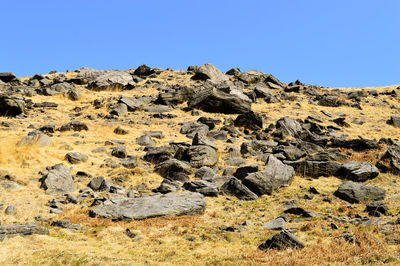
{"x": 283, "y": 149}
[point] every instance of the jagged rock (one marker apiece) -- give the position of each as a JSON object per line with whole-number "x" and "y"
{"x": 300, "y": 211}
{"x": 249, "y": 120}
{"x": 143, "y": 71}
{"x": 111, "y": 80}
{"x": 96, "y": 183}
{"x": 167, "y": 186}
{"x": 357, "y": 171}
{"x": 133, "y": 103}
{"x": 7, "y": 76}
{"x": 330, "y": 100}
{"x": 201, "y": 186}
{"x": 36, "y": 138}
{"x": 243, "y": 171}
{"x": 287, "y": 126}
{"x": 275, "y": 175}
{"x": 355, "y": 144}
{"x": 282, "y": 240}
{"x": 76, "y": 157}
{"x": 209, "y": 71}
{"x": 251, "y": 76}
{"x": 129, "y": 163}
{"x": 235, "y": 187}
{"x": 11, "y": 106}
{"x": 58, "y": 180}
{"x": 216, "y": 101}
{"x": 151, "y": 206}
{"x": 160, "y": 154}
{"x": 291, "y": 153}
{"x": 202, "y": 155}
{"x": 357, "y": 192}
{"x": 8, "y": 231}
{"x": 209, "y": 121}
{"x": 168, "y": 167}
{"x": 315, "y": 168}
{"x": 204, "y": 173}
{"x": 119, "y": 152}
{"x": 190, "y": 129}
{"x": 120, "y": 131}
{"x": 74, "y": 125}
{"x": 202, "y": 140}
{"x": 390, "y": 160}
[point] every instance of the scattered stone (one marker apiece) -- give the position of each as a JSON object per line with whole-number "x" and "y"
{"x": 357, "y": 171}
{"x": 119, "y": 152}
{"x": 8, "y": 231}
{"x": 201, "y": 186}
{"x": 76, "y": 157}
{"x": 249, "y": 120}
{"x": 11, "y": 209}
{"x": 11, "y": 106}
{"x": 377, "y": 206}
{"x": 235, "y": 187}
{"x": 120, "y": 131}
{"x": 282, "y": 240}
{"x": 58, "y": 180}
{"x": 209, "y": 71}
{"x": 276, "y": 224}
{"x": 75, "y": 126}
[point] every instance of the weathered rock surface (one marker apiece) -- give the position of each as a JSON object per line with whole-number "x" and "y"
{"x": 8, "y": 231}
{"x": 282, "y": 240}
{"x": 171, "y": 166}
{"x": 275, "y": 175}
{"x": 202, "y": 155}
{"x": 357, "y": 171}
{"x": 216, "y": 101}
{"x": 235, "y": 187}
{"x": 58, "y": 180}
{"x": 203, "y": 187}
{"x": 36, "y": 138}
{"x": 11, "y": 106}
{"x": 209, "y": 71}
{"x": 357, "y": 192}
{"x": 151, "y": 206}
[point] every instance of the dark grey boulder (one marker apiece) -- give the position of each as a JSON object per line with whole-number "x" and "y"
{"x": 300, "y": 211}
{"x": 358, "y": 192}
{"x": 76, "y": 157}
{"x": 357, "y": 171}
{"x": 167, "y": 186}
{"x": 359, "y": 144}
{"x": 202, "y": 155}
{"x": 129, "y": 163}
{"x": 243, "y": 171}
{"x": 377, "y": 207}
{"x": 204, "y": 173}
{"x": 201, "y": 186}
{"x": 171, "y": 166}
{"x": 119, "y": 152}
{"x": 11, "y": 106}
{"x": 190, "y": 129}
{"x": 8, "y": 231}
{"x": 74, "y": 125}
{"x": 209, "y": 72}
{"x": 217, "y": 101}
{"x": 235, "y": 187}
{"x": 7, "y": 76}
{"x": 389, "y": 161}
{"x": 282, "y": 240}
{"x": 275, "y": 175}
{"x": 58, "y": 180}
{"x": 96, "y": 183}
{"x": 151, "y": 206}
{"x": 330, "y": 100}
{"x": 145, "y": 140}
{"x": 143, "y": 71}
{"x": 252, "y": 76}
{"x": 249, "y": 120}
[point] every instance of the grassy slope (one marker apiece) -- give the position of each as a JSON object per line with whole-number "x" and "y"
{"x": 165, "y": 240}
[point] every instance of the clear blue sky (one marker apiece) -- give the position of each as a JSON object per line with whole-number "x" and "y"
{"x": 330, "y": 43}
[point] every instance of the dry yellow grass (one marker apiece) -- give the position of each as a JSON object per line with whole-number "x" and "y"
{"x": 165, "y": 240}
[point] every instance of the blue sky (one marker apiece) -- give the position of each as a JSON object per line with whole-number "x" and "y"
{"x": 332, "y": 43}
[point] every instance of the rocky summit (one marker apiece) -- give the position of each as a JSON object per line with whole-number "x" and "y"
{"x": 158, "y": 165}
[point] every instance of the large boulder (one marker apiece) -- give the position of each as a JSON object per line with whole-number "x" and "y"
{"x": 209, "y": 72}
{"x": 287, "y": 126}
{"x": 202, "y": 155}
{"x": 58, "y": 180}
{"x": 282, "y": 240}
{"x": 11, "y": 106}
{"x": 357, "y": 171}
{"x": 217, "y": 101}
{"x": 112, "y": 80}
{"x": 235, "y": 187}
{"x": 151, "y": 206}
{"x": 275, "y": 175}
{"x": 171, "y": 166}
{"x": 7, "y": 76}
{"x": 358, "y": 192}
{"x": 249, "y": 120}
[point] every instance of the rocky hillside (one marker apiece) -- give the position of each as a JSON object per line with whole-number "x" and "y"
{"x": 157, "y": 166}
